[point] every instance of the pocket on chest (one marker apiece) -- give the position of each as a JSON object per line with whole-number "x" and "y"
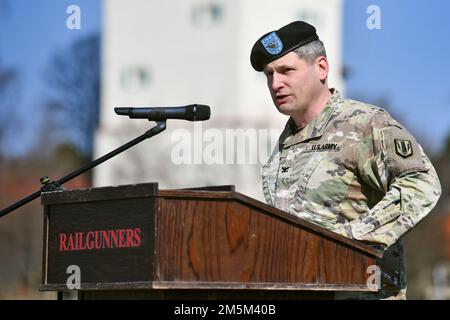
{"x": 326, "y": 185}
{"x": 294, "y": 172}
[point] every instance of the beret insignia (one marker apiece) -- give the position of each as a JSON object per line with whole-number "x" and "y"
{"x": 272, "y": 43}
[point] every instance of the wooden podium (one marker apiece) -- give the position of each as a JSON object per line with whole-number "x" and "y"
{"x": 136, "y": 241}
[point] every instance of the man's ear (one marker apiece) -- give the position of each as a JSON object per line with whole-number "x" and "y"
{"x": 322, "y": 67}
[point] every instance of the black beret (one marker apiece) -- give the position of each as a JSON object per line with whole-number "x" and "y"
{"x": 275, "y": 44}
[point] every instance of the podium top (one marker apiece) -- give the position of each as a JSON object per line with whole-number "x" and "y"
{"x": 227, "y": 192}
{"x": 234, "y": 195}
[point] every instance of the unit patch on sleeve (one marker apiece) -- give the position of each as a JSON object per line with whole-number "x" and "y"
{"x": 403, "y": 148}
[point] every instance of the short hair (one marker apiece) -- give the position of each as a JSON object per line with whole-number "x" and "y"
{"x": 311, "y": 51}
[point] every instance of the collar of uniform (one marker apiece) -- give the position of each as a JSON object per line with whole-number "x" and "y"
{"x": 316, "y": 127}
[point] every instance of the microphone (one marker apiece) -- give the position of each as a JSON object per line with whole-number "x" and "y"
{"x": 192, "y": 112}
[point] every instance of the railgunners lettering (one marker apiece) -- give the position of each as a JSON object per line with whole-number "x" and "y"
{"x": 101, "y": 239}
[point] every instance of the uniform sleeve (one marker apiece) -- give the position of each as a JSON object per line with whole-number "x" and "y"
{"x": 391, "y": 162}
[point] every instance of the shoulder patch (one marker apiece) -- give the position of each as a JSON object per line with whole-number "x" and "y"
{"x": 403, "y": 147}
{"x": 402, "y": 151}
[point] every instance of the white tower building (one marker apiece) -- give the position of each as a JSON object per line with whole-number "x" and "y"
{"x": 178, "y": 52}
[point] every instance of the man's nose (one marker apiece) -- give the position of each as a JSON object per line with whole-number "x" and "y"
{"x": 277, "y": 82}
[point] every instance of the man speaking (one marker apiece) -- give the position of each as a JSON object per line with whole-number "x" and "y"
{"x": 342, "y": 164}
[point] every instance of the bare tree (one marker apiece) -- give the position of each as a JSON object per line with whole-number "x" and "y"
{"x": 8, "y": 92}
{"x": 74, "y": 77}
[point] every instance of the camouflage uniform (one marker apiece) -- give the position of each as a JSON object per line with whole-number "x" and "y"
{"x": 358, "y": 172}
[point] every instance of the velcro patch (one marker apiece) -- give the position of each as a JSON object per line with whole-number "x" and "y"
{"x": 403, "y": 148}
{"x": 319, "y": 147}
{"x": 402, "y": 151}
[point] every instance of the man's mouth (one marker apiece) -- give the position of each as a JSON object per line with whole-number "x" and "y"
{"x": 282, "y": 98}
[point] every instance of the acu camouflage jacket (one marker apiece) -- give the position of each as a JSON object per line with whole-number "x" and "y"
{"x": 353, "y": 170}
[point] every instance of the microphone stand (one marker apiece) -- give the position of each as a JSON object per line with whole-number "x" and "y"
{"x": 57, "y": 185}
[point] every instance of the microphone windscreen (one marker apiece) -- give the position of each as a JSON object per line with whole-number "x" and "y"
{"x": 122, "y": 111}
{"x": 200, "y": 112}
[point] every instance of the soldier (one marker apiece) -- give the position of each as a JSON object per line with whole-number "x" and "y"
{"x": 345, "y": 165}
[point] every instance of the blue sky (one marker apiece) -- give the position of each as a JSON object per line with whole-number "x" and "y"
{"x": 31, "y": 32}
{"x": 404, "y": 63}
